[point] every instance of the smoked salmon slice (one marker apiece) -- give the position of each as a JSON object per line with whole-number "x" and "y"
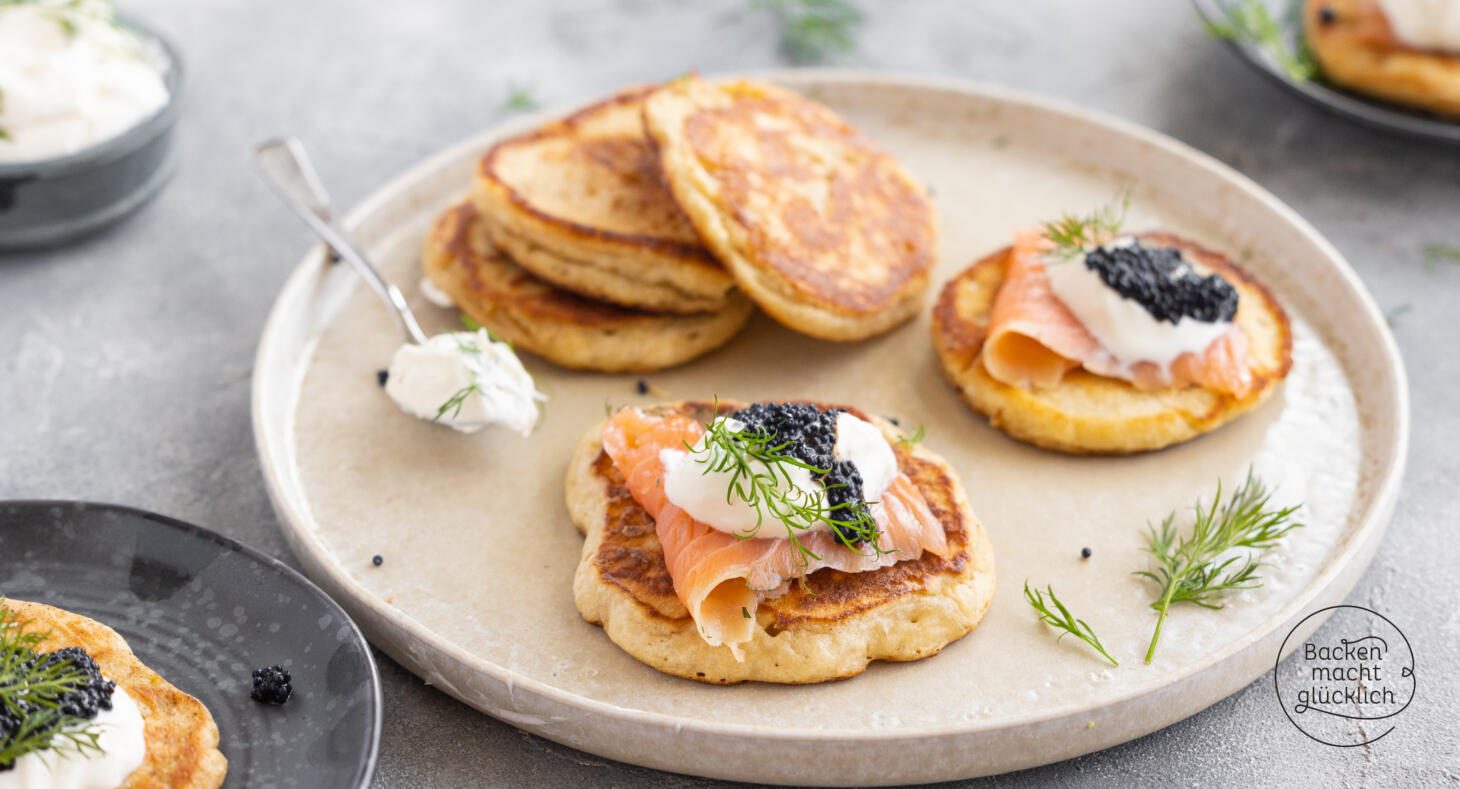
{"x": 721, "y": 578}
{"x": 1034, "y": 340}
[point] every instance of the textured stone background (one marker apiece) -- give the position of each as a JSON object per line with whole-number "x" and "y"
{"x": 125, "y": 360}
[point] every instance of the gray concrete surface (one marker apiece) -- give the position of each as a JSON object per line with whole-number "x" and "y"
{"x": 125, "y": 360}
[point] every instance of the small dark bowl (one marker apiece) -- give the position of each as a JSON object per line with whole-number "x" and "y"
{"x": 52, "y": 201}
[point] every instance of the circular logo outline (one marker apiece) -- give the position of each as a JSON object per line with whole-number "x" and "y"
{"x": 1413, "y": 676}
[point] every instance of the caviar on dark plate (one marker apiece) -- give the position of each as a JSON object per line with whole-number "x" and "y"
{"x": 271, "y": 685}
{"x": 809, "y": 434}
{"x": 1164, "y": 283}
{"x": 86, "y": 698}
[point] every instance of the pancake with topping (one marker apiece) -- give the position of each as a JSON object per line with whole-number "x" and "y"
{"x": 819, "y": 226}
{"x": 181, "y": 737}
{"x": 556, "y": 324}
{"x": 1019, "y": 355}
{"x": 1359, "y": 47}
{"x": 690, "y": 599}
{"x": 580, "y": 204}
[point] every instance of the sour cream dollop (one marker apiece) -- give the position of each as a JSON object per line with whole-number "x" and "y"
{"x": 1123, "y": 326}
{"x": 123, "y": 747}
{"x": 71, "y": 78}
{"x": 1425, "y": 24}
{"x": 466, "y": 381}
{"x": 692, "y": 484}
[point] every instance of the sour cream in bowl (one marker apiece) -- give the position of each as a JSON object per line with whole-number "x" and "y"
{"x": 87, "y": 106}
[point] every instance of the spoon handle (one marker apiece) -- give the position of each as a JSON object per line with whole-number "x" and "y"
{"x": 287, "y": 168}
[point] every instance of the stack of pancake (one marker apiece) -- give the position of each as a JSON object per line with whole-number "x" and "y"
{"x": 641, "y": 231}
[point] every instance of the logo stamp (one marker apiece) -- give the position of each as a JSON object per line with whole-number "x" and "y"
{"x": 1347, "y": 685}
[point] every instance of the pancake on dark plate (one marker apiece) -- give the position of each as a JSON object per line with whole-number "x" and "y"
{"x": 181, "y": 737}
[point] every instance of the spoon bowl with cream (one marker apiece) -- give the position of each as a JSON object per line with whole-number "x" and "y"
{"x": 463, "y": 380}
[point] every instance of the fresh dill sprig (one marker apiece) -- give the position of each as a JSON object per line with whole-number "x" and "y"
{"x": 1202, "y": 568}
{"x": 1072, "y": 234}
{"x": 1436, "y": 253}
{"x": 453, "y": 405}
{"x": 1393, "y": 315}
{"x": 813, "y": 31}
{"x": 914, "y": 438}
{"x": 31, "y": 689}
{"x": 520, "y": 100}
{"x": 459, "y": 398}
{"x": 1061, "y": 619}
{"x": 456, "y": 402}
{"x": 760, "y": 475}
{"x": 1252, "y": 21}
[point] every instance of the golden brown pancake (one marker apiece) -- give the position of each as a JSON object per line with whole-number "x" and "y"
{"x": 579, "y": 202}
{"x": 831, "y": 627}
{"x": 558, "y": 325}
{"x": 182, "y": 739}
{"x": 1091, "y": 414}
{"x": 819, "y": 226}
{"x": 1357, "y": 49}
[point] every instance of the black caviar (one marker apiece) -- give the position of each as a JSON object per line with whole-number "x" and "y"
{"x": 810, "y": 436}
{"x": 1086, "y": 553}
{"x": 1162, "y": 281}
{"x": 271, "y": 685}
{"x": 381, "y": 376}
{"x": 1327, "y": 16}
{"x": 641, "y": 386}
{"x": 88, "y": 699}
{"x": 377, "y": 560}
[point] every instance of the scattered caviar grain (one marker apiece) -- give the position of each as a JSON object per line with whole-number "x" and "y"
{"x": 1086, "y": 553}
{"x": 642, "y": 387}
{"x": 271, "y": 685}
{"x": 381, "y": 376}
{"x": 378, "y": 560}
{"x": 1327, "y": 15}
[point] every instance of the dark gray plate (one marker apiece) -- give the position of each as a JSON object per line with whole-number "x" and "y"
{"x": 204, "y": 611}
{"x": 1372, "y": 112}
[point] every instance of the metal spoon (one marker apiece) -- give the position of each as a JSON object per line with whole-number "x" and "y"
{"x": 288, "y": 170}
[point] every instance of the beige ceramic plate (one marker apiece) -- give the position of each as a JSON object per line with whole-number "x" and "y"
{"x": 475, "y": 592}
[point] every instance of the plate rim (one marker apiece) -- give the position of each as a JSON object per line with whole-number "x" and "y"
{"x": 367, "y": 772}
{"x": 301, "y": 535}
{"x": 1373, "y": 113}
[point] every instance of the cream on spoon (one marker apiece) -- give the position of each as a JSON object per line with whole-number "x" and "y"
{"x": 464, "y": 380}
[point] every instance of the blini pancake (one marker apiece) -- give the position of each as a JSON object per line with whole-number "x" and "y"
{"x": 1090, "y": 414}
{"x": 182, "y": 739}
{"x": 558, "y": 325}
{"x": 579, "y": 203}
{"x": 1357, "y": 49}
{"x": 830, "y": 627}
{"x": 819, "y": 226}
